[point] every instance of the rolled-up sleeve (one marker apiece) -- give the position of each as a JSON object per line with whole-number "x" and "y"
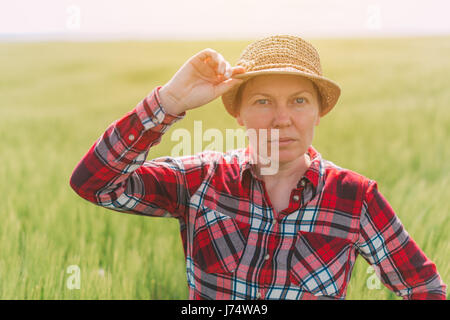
{"x": 114, "y": 172}
{"x": 399, "y": 262}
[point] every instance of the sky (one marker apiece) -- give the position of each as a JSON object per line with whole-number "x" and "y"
{"x": 219, "y": 19}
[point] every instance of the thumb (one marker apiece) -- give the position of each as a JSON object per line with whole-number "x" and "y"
{"x": 227, "y": 85}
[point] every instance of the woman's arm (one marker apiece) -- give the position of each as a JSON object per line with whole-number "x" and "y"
{"x": 401, "y": 265}
{"x": 114, "y": 173}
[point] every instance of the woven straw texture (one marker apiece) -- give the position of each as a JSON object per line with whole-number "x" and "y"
{"x": 284, "y": 54}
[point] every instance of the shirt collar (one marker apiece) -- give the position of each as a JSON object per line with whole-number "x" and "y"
{"x": 312, "y": 174}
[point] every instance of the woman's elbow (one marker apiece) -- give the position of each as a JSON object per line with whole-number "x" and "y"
{"x": 81, "y": 182}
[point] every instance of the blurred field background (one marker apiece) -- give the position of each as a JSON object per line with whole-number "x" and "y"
{"x": 392, "y": 124}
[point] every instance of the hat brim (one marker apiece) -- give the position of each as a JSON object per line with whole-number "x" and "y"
{"x": 328, "y": 89}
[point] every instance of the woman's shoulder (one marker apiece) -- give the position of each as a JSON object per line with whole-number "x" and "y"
{"x": 344, "y": 177}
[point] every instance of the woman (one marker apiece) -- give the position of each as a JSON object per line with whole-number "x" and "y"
{"x": 289, "y": 233}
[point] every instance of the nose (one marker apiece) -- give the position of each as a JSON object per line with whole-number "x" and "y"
{"x": 282, "y": 117}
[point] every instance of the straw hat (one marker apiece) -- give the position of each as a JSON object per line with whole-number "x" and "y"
{"x": 284, "y": 54}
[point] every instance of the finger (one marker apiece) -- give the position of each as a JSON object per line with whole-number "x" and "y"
{"x": 228, "y": 70}
{"x": 211, "y": 63}
{"x": 219, "y": 62}
{"x": 216, "y": 62}
{"x": 227, "y": 85}
{"x": 204, "y": 68}
{"x": 221, "y": 68}
{"x": 238, "y": 70}
{"x": 210, "y": 56}
{"x": 205, "y": 53}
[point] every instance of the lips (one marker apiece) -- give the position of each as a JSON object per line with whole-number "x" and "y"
{"x": 284, "y": 139}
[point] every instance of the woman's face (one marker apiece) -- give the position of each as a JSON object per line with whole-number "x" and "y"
{"x": 285, "y": 102}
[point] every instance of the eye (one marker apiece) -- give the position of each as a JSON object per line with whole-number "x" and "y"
{"x": 257, "y": 101}
{"x": 300, "y": 100}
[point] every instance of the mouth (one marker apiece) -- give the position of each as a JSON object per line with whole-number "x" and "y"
{"x": 283, "y": 141}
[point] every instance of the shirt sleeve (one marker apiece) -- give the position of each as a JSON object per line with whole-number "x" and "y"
{"x": 398, "y": 261}
{"x": 114, "y": 172}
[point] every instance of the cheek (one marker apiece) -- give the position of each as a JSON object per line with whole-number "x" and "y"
{"x": 306, "y": 127}
{"x": 308, "y": 120}
{"x": 252, "y": 119}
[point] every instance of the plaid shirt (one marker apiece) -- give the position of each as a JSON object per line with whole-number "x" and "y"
{"x": 236, "y": 246}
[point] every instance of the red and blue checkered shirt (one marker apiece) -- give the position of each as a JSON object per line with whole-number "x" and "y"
{"x": 236, "y": 246}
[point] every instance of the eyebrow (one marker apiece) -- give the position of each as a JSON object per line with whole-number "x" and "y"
{"x": 268, "y": 95}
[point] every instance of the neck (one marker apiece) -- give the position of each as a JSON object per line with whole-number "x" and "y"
{"x": 290, "y": 171}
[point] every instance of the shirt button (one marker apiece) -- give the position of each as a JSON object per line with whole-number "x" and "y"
{"x": 296, "y": 197}
{"x": 258, "y": 295}
{"x": 267, "y": 257}
{"x": 302, "y": 182}
{"x": 131, "y": 137}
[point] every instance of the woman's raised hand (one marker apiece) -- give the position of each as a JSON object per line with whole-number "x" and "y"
{"x": 201, "y": 79}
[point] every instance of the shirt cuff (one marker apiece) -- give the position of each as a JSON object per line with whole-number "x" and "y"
{"x": 152, "y": 113}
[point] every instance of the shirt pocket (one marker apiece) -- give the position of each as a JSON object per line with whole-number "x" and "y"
{"x": 219, "y": 241}
{"x": 319, "y": 263}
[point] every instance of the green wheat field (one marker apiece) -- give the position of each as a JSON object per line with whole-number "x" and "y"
{"x": 392, "y": 124}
